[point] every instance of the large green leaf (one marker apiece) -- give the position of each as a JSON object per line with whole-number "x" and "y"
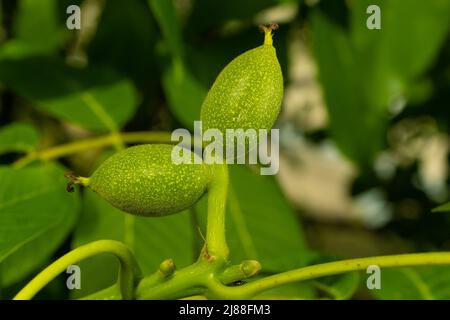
{"x": 346, "y": 103}
{"x": 94, "y": 98}
{"x": 183, "y": 91}
{"x": 364, "y": 72}
{"x": 18, "y": 137}
{"x": 409, "y": 48}
{"x": 261, "y": 223}
{"x": 36, "y": 29}
{"x": 184, "y": 94}
{"x": 36, "y": 215}
{"x": 151, "y": 239}
{"x": 418, "y": 283}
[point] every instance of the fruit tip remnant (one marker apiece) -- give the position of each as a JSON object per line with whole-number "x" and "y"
{"x": 74, "y": 179}
{"x": 267, "y": 29}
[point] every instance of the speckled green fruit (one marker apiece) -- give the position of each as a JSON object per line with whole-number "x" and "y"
{"x": 247, "y": 93}
{"x": 143, "y": 180}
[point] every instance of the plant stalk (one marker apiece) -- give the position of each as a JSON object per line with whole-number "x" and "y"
{"x": 91, "y": 143}
{"x": 128, "y": 274}
{"x": 216, "y": 246}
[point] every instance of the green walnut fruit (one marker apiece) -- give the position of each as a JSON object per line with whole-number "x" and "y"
{"x": 143, "y": 180}
{"x": 248, "y": 91}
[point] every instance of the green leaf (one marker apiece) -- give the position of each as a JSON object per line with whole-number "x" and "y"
{"x": 184, "y": 94}
{"x": 262, "y": 225}
{"x": 220, "y": 12}
{"x": 183, "y": 91}
{"x": 399, "y": 38}
{"x": 418, "y": 283}
{"x": 166, "y": 16}
{"x": 36, "y": 29}
{"x": 95, "y": 98}
{"x": 443, "y": 208}
{"x": 137, "y": 61}
{"x": 363, "y": 72}
{"x": 18, "y": 137}
{"x": 151, "y": 239}
{"x": 36, "y": 215}
{"x": 346, "y": 103}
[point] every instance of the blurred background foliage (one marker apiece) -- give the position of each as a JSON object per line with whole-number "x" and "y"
{"x": 364, "y": 135}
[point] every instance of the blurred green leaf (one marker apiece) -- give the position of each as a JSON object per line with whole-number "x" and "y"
{"x": 151, "y": 239}
{"x": 166, "y": 15}
{"x": 419, "y": 283}
{"x": 94, "y": 98}
{"x": 36, "y": 215}
{"x": 207, "y": 58}
{"x": 129, "y": 47}
{"x": 443, "y": 208}
{"x": 36, "y": 29}
{"x": 18, "y": 137}
{"x": 184, "y": 94}
{"x": 220, "y": 12}
{"x": 365, "y": 72}
{"x": 347, "y": 106}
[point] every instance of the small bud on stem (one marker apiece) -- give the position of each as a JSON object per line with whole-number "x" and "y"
{"x": 167, "y": 268}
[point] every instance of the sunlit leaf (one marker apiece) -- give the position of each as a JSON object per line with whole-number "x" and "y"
{"x": 94, "y": 98}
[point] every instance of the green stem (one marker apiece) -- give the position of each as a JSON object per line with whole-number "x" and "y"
{"x": 90, "y": 143}
{"x": 183, "y": 283}
{"x": 332, "y": 268}
{"x": 128, "y": 274}
{"x": 216, "y": 245}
